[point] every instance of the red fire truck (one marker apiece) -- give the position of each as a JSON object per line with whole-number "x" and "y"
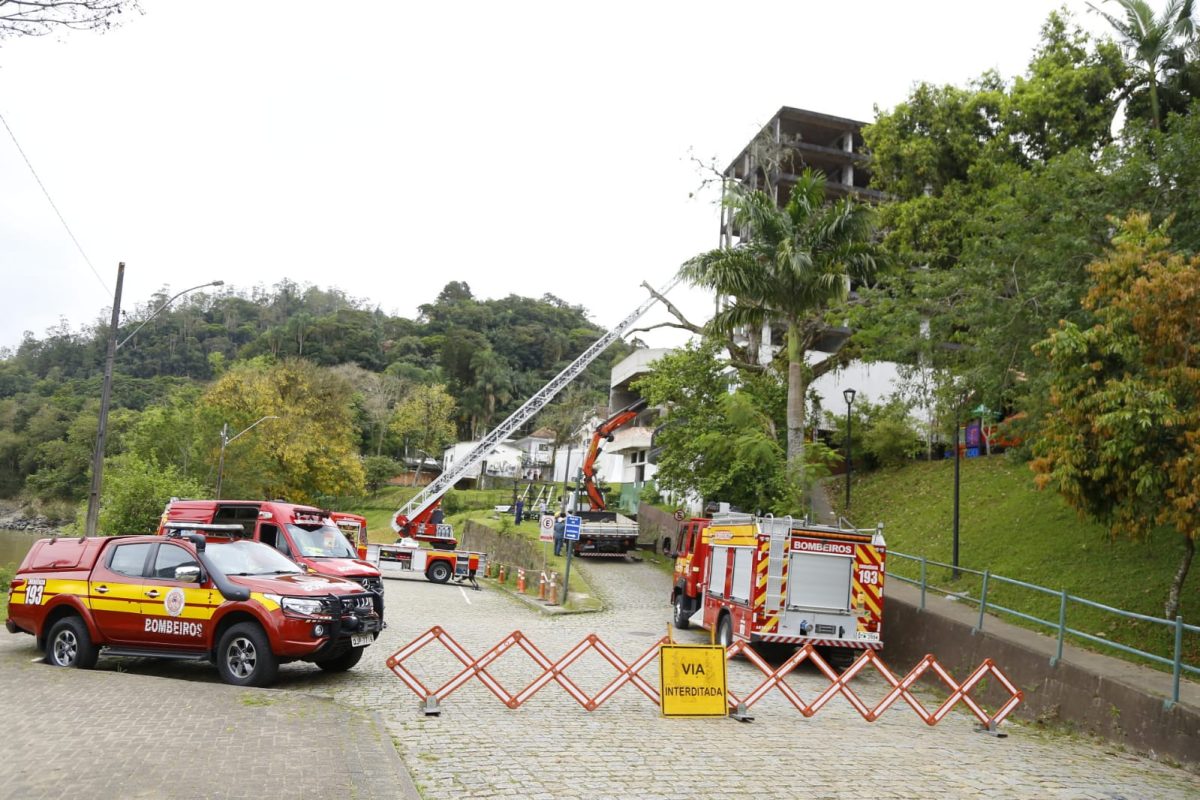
{"x": 407, "y": 555}
{"x": 304, "y": 534}
{"x": 780, "y": 580}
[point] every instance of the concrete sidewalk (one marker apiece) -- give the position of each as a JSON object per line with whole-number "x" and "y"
{"x": 103, "y": 733}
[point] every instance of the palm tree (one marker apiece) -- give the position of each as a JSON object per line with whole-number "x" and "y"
{"x": 1152, "y": 41}
{"x": 790, "y": 264}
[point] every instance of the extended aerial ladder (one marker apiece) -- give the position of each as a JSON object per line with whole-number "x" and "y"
{"x": 416, "y": 519}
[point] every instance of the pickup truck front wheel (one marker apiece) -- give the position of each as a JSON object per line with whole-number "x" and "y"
{"x": 70, "y": 645}
{"x": 244, "y": 656}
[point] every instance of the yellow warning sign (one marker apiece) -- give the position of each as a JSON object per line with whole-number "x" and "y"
{"x": 692, "y": 680}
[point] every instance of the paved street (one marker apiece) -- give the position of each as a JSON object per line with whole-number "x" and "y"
{"x": 549, "y": 748}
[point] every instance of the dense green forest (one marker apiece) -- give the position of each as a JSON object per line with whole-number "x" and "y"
{"x": 333, "y": 370}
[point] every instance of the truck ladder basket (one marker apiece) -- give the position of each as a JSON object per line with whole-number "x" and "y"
{"x": 430, "y": 494}
{"x": 630, "y": 673}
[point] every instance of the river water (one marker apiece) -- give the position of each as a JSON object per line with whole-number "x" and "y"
{"x": 14, "y": 545}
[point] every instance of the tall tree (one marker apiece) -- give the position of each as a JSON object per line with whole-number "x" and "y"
{"x": 790, "y": 265}
{"x": 1124, "y": 441}
{"x": 1151, "y": 41}
{"x": 424, "y": 420}
{"x": 716, "y": 444}
{"x": 309, "y": 451}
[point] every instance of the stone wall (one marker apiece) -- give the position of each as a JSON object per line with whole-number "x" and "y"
{"x": 654, "y": 525}
{"x": 511, "y": 548}
{"x": 1086, "y": 691}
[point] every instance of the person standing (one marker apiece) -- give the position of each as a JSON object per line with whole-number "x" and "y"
{"x": 560, "y": 528}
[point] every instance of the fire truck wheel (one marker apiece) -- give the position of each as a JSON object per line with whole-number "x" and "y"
{"x": 69, "y": 645}
{"x": 438, "y": 572}
{"x": 343, "y": 662}
{"x": 725, "y": 632}
{"x": 681, "y": 614}
{"x": 244, "y": 656}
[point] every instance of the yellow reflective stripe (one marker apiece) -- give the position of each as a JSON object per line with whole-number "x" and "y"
{"x": 118, "y": 591}
{"x": 107, "y": 604}
{"x": 269, "y": 605}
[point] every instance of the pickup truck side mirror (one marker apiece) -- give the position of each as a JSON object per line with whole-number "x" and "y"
{"x": 188, "y": 573}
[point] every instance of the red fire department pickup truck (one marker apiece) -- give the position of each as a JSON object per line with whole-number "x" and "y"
{"x": 241, "y": 605}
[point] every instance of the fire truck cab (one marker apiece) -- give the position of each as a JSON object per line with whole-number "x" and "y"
{"x": 780, "y": 580}
{"x": 306, "y": 535}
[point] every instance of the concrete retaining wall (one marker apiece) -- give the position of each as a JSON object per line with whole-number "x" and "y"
{"x": 1090, "y": 692}
{"x": 512, "y": 549}
{"x": 654, "y": 525}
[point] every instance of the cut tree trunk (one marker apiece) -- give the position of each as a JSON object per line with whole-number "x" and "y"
{"x": 1189, "y": 550}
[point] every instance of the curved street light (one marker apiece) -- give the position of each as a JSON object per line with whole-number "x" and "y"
{"x": 226, "y": 439}
{"x": 93, "y": 508}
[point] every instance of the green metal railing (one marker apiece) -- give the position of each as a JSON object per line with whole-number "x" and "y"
{"x": 1061, "y": 629}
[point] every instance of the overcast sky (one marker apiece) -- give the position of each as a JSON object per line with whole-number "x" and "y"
{"x": 387, "y": 148}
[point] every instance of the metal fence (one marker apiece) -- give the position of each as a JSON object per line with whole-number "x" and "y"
{"x": 554, "y": 672}
{"x": 1060, "y": 627}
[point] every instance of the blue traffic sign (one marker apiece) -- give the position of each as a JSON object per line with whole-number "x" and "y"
{"x": 571, "y": 529}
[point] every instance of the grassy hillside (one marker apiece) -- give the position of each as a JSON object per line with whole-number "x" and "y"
{"x": 1010, "y": 528}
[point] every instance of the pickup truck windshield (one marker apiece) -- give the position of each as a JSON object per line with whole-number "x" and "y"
{"x": 320, "y": 541}
{"x": 250, "y": 558}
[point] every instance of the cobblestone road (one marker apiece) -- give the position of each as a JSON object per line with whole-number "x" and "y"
{"x": 552, "y": 748}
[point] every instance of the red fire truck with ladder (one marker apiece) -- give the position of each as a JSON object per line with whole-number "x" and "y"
{"x": 780, "y": 580}
{"x": 407, "y": 555}
{"x": 420, "y": 519}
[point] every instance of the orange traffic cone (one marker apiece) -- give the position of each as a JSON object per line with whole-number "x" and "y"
{"x": 521, "y": 580}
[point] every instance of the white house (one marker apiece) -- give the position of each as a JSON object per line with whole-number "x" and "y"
{"x": 537, "y": 450}
{"x": 503, "y": 462}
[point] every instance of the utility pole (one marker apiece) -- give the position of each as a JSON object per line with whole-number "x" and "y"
{"x": 93, "y": 507}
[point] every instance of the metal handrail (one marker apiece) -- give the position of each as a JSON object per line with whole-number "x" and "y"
{"x": 1176, "y": 663}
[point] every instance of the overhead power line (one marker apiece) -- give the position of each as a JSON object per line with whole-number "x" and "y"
{"x": 52, "y": 203}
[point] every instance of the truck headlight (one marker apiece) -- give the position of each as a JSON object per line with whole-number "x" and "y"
{"x": 303, "y": 607}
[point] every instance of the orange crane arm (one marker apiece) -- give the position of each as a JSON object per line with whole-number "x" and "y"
{"x": 604, "y": 433}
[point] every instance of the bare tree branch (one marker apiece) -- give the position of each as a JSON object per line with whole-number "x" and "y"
{"x": 685, "y": 324}
{"x": 32, "y": 18}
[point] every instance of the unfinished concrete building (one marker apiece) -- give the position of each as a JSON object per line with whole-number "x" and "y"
{"x": 792, "y": 140}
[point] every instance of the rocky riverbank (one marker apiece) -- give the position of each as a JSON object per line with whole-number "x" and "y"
{"x": 14, "y": 517}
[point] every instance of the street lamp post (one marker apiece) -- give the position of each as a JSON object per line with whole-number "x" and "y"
{"x": 848, "y": 394}
{"x": 225, "y": 440}
{"x": 93, "y": 508}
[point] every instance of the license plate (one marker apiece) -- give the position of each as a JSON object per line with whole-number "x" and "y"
{"x": 361, "y": 639}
